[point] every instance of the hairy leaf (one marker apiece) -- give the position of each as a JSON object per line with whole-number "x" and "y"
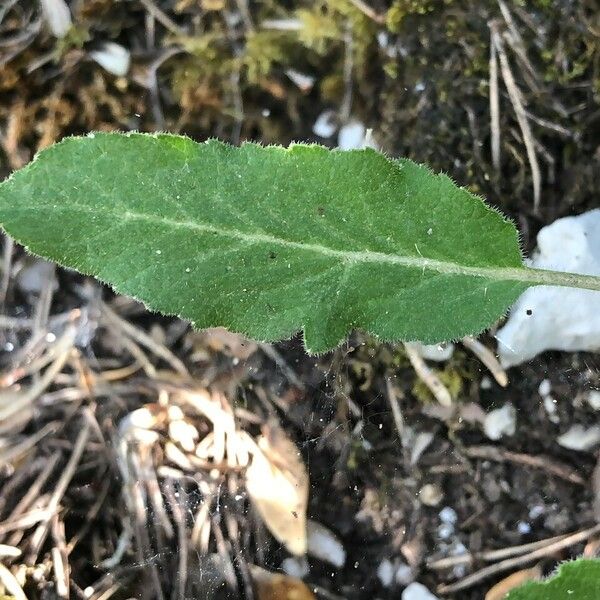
{"x": 267, "y": 241}
{"x": 579, "y": 579}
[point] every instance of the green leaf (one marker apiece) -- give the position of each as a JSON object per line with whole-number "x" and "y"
{"x": 268, "y": 241}
{"x": 578, "y": 579}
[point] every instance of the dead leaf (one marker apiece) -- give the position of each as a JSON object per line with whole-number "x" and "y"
{"x": 276, "y": 586}
{"x": 499, "y": 591}
{"x": 219, "y": 339}
{"x": 277, "y": 483}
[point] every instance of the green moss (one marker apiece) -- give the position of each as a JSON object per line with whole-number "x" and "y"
{"x": 263, "y": 50}
{"x": 450, "y": 376}
{"x": 76, "y": 37}
{"x": 400, "y": 9}
{"x": 320, "y": 30}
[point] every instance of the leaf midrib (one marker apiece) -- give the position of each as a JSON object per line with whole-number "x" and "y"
{"x": 346, "y": 256}
{"x": 522, "y": 274}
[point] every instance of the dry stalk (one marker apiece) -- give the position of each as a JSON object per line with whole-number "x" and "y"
{"x": 427, "y": 376}
{"x": 517, "y": 102}
{"x": 513, "y": 563}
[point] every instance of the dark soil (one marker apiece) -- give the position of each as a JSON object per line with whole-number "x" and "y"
{"x": 420, "y": 77}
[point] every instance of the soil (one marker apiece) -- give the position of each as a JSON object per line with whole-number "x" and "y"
{"x": 418, "y": 73}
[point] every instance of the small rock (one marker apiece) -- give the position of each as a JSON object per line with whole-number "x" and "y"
{"x": 445, "y": 531}
{"x": 295, "y": 566}
{"x": 448, "y": 518}
{"x": 326, "y": 124}
{"x": 385, "y": 572}
{"x": 324, "y": 545}
{"x": 431, "y": 494}
{"x": 580, "y": 438}
{"x": 550, "y": 407}
{"x": 448, "y": 515}
{"x": 404, "y": 574}
{"x": 302, "y": 81}
{"x": 523, "y": 527}
{"x": 557, "y": 318}
{"x": 486, "y": 383}
{"x": 593, "y": 399}
{"x": 112, "y": 57}
{"x": 436, "y": 352}
{"x": 352, "y": 136}
{"x": 500, "y": 422}
{"x": 544, "y": 388}
{"x": 417, "y": 591}
{"x": 536, "y": 511}
{"x": 57, "y": 16}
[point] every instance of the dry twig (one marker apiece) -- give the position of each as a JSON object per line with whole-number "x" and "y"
{"x": 512, "y": 563}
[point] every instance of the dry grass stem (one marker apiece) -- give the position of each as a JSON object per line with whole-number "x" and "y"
{"x": 427, "y": 376}
{"x": 487, "y": 357}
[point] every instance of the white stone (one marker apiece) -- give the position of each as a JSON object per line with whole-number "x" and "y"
{"x": 325, "y": 125}
{"x": 500, "y": 422}
{"x": 112, "y": 57}
{"x": 352, "y": 135}
{"x": 551, "y": 409}
{"x": 544, "y": 388}
{"x": 404, "y": 574}
{"x": 486, "y": 383}
{"x": 559, "y": 318}
{"x": 580, "y": 438}
{"x": 436, "y": 352}
{"x": 296, "y": 566}
{"x": 448, "y": 515}
{"x": 302, "y": 81}
{"x": 57, "y": 16}
{"x": 417, "y": 591}
{"x": 431, "y": 494}
{"x": 593, "y": 399}
{"x": 385, "y": 572}
{"x": 324, "y": 545}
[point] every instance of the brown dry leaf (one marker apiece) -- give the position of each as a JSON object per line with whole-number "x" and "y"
{"x": 219, "y": 339}
{"x": 499, "y": 591}
{"x": 275, "y": 586}
{"x": 277, "y": 483}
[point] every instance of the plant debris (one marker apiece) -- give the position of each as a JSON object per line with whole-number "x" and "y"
{"x": 103, "y": 491}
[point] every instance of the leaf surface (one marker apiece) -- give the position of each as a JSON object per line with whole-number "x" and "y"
{"x": 267, "y": 241}
{"x": 578, "y": 579}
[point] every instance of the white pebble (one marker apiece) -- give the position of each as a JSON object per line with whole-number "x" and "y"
{"x": 325, "y": 125}
{"x": 57, "y": 16}
{"x": 580, "y": 438}
{"x": 500, "y": 422}
{"x": 112, "y": 57}
{"x": 324, "y": 545}
{"x": 385, "y": 572}
{"x": 352, "y": 135}
{"x": 417, "y": 591}
{"x": 448, "y": 515}
{"x": 557, "y": 318}
{"x": 523, "y": 527}
{"x": 295, "y": 567}
{"x": 436, "y": 352}
{"x": 544, "y": 388}
{"x": 593, "y": 399}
